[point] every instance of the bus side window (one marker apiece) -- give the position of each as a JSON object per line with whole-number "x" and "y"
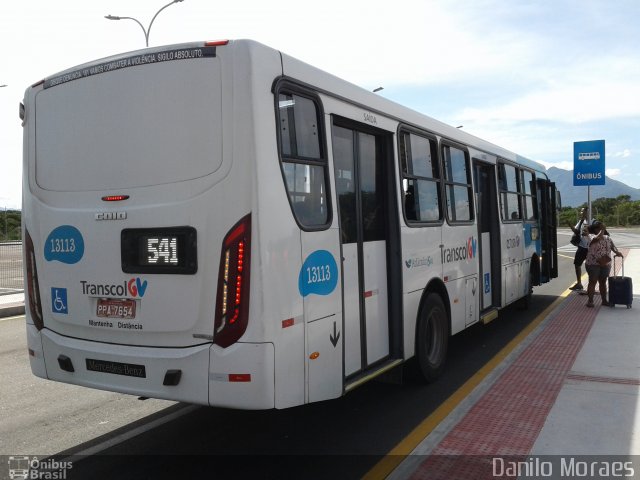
{"x": 457, "y": 179}
{"x": 304, "y": 165}
{"x": 509, "y": 197}
{"x": 421, "y": 179}
{"x": 529, "y": 195}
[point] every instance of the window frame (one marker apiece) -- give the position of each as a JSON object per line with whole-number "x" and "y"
{"x": 533, "y": 196}
{"x": 288, "y": 88}
{"x": 518, "y": 191}
{"x": 403, "y": 131}
{"x": 521, "y": 192}
{"x": 446, "y": 183}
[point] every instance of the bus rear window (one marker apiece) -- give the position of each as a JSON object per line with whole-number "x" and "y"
{"x": 130, "y": 128}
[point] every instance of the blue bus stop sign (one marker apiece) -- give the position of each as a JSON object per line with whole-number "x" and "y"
{"x": 588, "y": 163}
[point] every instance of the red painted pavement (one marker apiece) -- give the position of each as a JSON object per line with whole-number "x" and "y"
{"x": 508, "y": 418}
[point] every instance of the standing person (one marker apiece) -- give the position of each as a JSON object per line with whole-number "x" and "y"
{"x": 598, "y": 262}
{"x": 583, "y": 247}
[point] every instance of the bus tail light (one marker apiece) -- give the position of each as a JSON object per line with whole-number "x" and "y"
{"x": 33, "y": 289}
{"x": 232, "y": 303}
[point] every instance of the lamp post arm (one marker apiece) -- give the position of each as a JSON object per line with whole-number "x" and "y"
{"x": 146, "y": 32}
{"x": 114, "y": 17}
{"x": 154, "y": 17}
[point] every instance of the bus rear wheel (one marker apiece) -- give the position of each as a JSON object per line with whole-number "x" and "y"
{"x": 432, "y": 337}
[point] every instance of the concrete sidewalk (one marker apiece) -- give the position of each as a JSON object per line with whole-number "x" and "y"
{"x": 11, "y": 305}
{"x": 568, "y": 393}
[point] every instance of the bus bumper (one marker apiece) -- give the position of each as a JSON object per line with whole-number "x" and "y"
{"x": 240, "y": 376}
{"x": 193, "y": 362}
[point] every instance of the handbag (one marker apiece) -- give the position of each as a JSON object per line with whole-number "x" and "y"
{"x": 575, "y": 238}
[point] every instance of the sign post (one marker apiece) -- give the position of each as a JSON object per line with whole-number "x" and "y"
{"x": 588, "y": 166}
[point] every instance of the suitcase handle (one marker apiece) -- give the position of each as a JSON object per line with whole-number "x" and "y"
{"x": 614, "y": 266}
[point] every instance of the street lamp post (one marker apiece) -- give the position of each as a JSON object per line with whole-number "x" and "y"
{"x": 148, "y": 29}
{"x": 5, "y": 208}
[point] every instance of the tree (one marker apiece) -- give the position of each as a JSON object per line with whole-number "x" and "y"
{"x": 10, "y": 221}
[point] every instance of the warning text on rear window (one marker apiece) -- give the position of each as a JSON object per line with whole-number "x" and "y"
{"x": 133, "y": 61}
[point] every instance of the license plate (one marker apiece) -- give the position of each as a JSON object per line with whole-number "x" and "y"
{"x": 116, "y": 308}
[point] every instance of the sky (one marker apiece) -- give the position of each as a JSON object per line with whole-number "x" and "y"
{"x": 531, "y": 76}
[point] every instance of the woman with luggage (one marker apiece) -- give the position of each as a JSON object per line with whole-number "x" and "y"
{"x": 598, "y": 262}
{"x": 580, "y": 239}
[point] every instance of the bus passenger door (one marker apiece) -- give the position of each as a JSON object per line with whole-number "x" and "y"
{"x": 489, "y": 235}
{"x": 361, "y": 190}
{"x": 547, "y": 195}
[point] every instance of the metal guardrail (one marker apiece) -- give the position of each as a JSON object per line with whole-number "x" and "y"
{"x": 11, "y": 277}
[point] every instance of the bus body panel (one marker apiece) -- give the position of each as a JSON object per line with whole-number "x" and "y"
{"x": 277, "y": 308}
{"x": 88, "y": 133}
{"x": 513, "y": 262}
{"x": 322, "y": 314}
{"x": 242, "y": 376}
{"x": 459, "y": 254}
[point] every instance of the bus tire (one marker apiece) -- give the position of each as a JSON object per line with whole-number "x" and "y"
{"x": 432, "y": 337}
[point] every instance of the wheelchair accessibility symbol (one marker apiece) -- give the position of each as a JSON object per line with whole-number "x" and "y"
{"x": 59, "y": 300}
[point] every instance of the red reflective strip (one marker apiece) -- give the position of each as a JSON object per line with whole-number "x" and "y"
{"x": 368, "y": 294}
{"x": 239, "y": 377}
{"x": 216, "y": 43}
{"x": 288, "y": 322}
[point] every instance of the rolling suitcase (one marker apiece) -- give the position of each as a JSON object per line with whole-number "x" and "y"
{"x": 620, "y": 288}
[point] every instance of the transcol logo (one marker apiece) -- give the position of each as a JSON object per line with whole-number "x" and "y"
{"x": 135, "y": 287}
{"x": 462, "y": 252}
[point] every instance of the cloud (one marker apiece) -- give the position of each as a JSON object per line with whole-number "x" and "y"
{"x": 612, "y": 172}
{"x": 626, "y": 153}
{"x": 570, "y": 104}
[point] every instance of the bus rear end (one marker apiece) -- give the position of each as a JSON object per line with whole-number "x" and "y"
{"x": 137, "y": 246}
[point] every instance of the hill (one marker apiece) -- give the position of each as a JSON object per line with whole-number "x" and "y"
{"x": 576, "y": 196}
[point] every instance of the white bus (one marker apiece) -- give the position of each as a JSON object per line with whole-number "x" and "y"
{"x": 222, "y": 224}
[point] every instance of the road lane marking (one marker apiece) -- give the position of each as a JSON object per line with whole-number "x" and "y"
{"x": 118, "y": 439}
